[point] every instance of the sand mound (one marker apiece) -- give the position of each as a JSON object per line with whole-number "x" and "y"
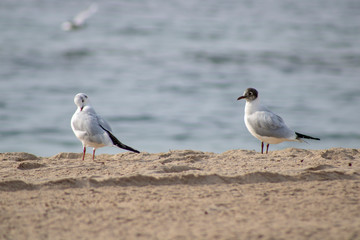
{"x": 30, "y": 165}
{"x": 67, "y": 156}
{"x": 17, "y": 156}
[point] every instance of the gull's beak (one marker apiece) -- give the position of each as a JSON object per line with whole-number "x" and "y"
{"x": 241, "y": 97}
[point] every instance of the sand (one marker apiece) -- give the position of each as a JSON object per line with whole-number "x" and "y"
{"x": 182, "y": 194}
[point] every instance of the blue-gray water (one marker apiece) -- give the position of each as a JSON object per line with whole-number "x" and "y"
{"x": 166, "y": 74}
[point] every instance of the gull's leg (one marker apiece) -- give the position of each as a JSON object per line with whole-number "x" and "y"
{"x": 262, "y": 147}
{"x": 94, "y": 154}
{"x": 84, "y": 151}
{"x": 267, "y": 148}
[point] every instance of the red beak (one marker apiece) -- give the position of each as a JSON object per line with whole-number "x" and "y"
{"x": 241, "y": 97}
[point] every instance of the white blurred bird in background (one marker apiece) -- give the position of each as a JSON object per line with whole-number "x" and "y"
{"x": 79, "y": 21}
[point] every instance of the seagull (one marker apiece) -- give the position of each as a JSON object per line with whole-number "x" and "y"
{"x": 91, "y": 129}
{"x": 265, "y": 125}
{"x": 79, "y": 20}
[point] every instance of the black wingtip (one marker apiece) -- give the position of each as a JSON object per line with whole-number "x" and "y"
{"x": 119, "y": 144}
{"x": 123, "y": 146}
{"x": 299, "y": 135}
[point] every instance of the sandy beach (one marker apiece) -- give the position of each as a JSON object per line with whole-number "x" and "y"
{"x": 182, "y": 194}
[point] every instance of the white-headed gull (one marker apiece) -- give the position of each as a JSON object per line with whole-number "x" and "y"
{"x": 91, "y": 129}
{"x": 265, "y": 125}
{"x": 79, "y": 20}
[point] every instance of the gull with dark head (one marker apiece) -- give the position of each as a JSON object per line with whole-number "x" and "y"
{"x": 91, "y": 129}
{"x": 265, "y": 125}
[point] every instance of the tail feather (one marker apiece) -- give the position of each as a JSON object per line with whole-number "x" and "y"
{"x": 299, "y": 135}
{"x": 119, "y": 144}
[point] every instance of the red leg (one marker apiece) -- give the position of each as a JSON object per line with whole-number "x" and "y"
{"x": 84, "y": 151}
{"x": 267, "y": 148}
{"x": 262, "y": 147}
{"x": 94, "y": 154}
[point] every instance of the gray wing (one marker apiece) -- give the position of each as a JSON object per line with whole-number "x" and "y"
{"x": 268, "y": 124}
{"x": 87, "y": 127}
{"x": 104, "y": 123}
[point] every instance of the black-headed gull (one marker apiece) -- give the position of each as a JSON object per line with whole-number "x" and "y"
{"x": 91, "y": 129}
{"x": 265, "y": 125}
{"x": 79, "y": 20}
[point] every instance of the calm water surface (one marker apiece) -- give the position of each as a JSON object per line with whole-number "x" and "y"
{"x": 166, "y": 74}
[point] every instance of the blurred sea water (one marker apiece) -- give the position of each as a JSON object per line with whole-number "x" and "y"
{"x": 166, "y": 74}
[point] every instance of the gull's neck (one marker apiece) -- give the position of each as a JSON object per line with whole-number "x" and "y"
{"x": 253, "y": 106}
{"x": 88, "y": 109}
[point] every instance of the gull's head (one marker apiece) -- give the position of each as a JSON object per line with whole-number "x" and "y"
{"x": 81, "y": 100}
{"x": 67, "y": 26}
{"x": 249, "y": 95}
